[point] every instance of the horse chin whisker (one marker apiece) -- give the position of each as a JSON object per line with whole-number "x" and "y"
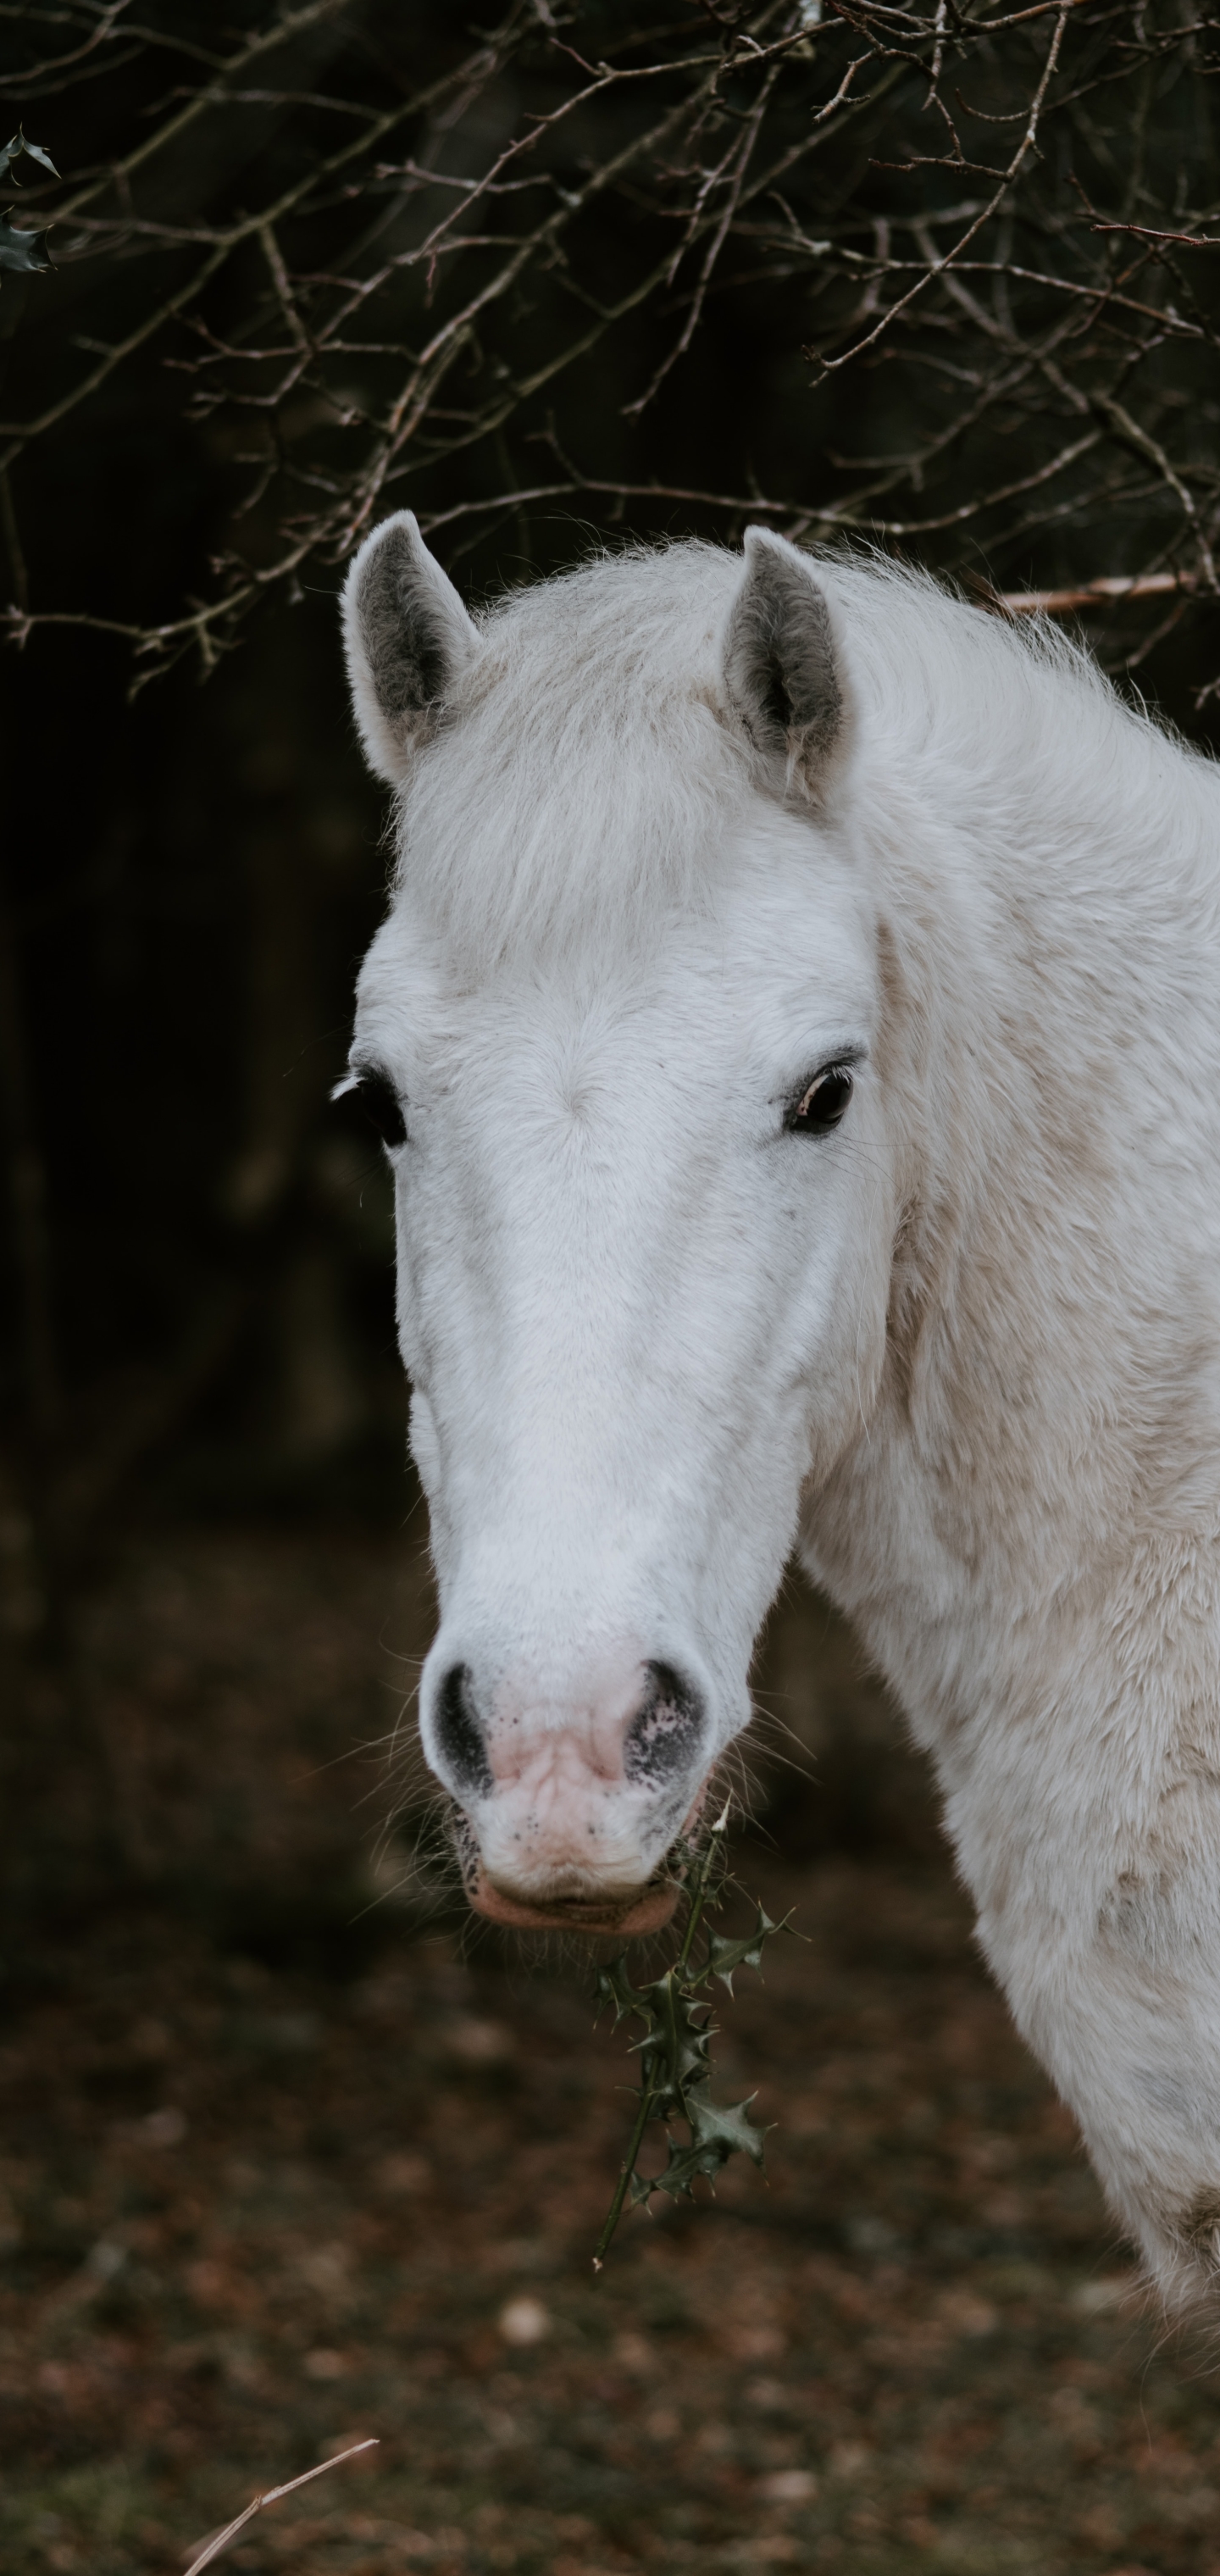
{"x": 464, "y": 1844}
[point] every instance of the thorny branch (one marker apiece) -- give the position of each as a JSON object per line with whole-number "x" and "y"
{"x": 382, "y": 260}
{"x": 675, "y": 2050}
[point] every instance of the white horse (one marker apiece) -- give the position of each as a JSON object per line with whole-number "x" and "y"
{"x": 796, "y": 1037}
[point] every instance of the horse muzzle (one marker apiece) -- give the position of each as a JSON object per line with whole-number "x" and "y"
{"x": 570, "y": 1805}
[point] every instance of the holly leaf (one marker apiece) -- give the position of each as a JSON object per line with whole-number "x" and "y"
{"x": 26, "y": 251}
{"x": 674, "y": 2047}
{"x": 675, "y": 2050}
{"x": 727, "y": 1956}
{"x": 718, "y": 2130}
{"x": 10, "y": 152}
{"x": 679, "y": 2175}
{"x": 614, "y": 1987}
{"x": 724, "y": 2128}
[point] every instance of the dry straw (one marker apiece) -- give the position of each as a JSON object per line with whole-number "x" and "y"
{"x": 221, "y": 2539}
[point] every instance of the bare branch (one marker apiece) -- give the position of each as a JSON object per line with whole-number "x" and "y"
{"x": 392, "y": 308}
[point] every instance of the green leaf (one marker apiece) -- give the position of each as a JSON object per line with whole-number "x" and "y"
{"x": 718, "y": 2130}
{"x": 724, "y": 2127}
{"x": 674, "y": 2052}
{"x": 727, "y": 1956}
{"x": 674, "y": 2047}
{"x": 679, "y": 2175}
{"x": 615, "y": 1987}
{"x": 10, "y": 152}
{"x": 36, "y": 153}
{"x": 21, "y": 250}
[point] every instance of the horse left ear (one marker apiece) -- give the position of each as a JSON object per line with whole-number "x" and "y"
{"x": 407, "y": 638}
{"x": 781, "y": 670}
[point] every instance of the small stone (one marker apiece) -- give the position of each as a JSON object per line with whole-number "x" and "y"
{"x": 478, "y": 2043}
{"x": 788, "y": 2486}
{"x": 524, "y": 2321}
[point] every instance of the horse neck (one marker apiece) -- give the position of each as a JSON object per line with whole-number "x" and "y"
{"x": 1044, "y": 1286}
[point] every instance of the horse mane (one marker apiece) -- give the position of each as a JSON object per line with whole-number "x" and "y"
{"x": 587, "y": 778}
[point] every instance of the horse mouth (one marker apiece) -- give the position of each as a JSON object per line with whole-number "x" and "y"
{"x": 627, "y": 1914}
{"x": 639, "y": 1910}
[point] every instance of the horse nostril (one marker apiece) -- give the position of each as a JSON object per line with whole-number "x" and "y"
{"x": 459, "y": 1736}
{"x": 663, "y": 1736}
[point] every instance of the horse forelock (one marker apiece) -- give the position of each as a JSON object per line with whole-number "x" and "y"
{"x": 582, "y": 782}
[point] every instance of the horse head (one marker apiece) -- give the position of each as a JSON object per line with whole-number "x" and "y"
{"x": 620, "y": 1034}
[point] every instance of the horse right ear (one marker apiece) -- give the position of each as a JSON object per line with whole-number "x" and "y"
{"x": 781, "y": 666}
{"x": 407, "y": 639}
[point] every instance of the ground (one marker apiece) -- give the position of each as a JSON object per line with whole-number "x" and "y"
{"x": 267, "y": 2192}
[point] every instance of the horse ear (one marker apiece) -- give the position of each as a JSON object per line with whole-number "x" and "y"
{"x": 780, "y": 665}
{"x": 407, "y": 639}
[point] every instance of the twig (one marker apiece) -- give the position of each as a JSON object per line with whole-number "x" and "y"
{"x": 1149, "y": 233}
{"x": 406, "y": 344}
{"x": 615, "y": 2211}
{"x": 1088, "y": 594}
{"x": 632, "y": 411}
{"x": 272, "y": 2496}
{"x": 946, "y": 258}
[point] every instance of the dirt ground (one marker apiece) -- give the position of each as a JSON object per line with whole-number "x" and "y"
{"x": 291, "y": 2157}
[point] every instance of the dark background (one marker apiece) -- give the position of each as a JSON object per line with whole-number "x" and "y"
{"x": 284, "y": 2142}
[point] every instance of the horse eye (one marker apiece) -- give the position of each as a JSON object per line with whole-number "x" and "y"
{"x": 823, "y": 1104}
{"x": 382, "y": 1106}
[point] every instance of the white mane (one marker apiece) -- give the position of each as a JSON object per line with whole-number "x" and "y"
{"x": 583, "y": 783}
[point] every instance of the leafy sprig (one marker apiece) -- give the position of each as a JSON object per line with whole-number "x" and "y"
{"x": 675, "y": 2050}
{"x": 23, "y": 251}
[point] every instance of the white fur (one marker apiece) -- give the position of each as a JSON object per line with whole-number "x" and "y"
{"x": 966, "y": 1349}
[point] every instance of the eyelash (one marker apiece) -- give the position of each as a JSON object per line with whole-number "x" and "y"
{"x": 382, "y": 1106}
{"x": 832, "y": 1086}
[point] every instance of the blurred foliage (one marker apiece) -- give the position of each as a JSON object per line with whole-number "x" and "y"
{"x": 19, "y": 249}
